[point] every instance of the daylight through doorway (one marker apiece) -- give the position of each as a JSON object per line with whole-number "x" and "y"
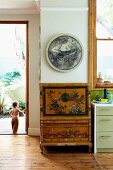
{"x": 12, "y": 74}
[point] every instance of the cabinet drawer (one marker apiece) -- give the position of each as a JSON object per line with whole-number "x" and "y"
{"x": 104, "y": 111}
{"x": 104, "y": 140}
{"x": 64, "y": 133}
{"x": 104, "y": 123}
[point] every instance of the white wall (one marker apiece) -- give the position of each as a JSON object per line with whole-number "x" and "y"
{"x": 34, "y": 105}
{"x": 64, "y": 3}
{"x": 66, "y": 16}
{"x": 57, "y": 16}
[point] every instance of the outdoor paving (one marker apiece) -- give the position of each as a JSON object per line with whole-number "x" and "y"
{"x": 5, "y": 126}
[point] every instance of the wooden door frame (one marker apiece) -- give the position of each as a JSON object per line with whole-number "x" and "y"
{"x": 27, "y": 69}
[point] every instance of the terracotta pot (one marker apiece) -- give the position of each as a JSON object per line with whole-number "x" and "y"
{"x": 99, "y": 80}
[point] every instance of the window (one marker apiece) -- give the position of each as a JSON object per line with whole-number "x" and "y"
{"x": 101, "y": 43}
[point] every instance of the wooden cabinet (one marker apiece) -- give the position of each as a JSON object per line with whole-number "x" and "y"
{"x": 65, "y": 115}
{"x": 103, "y": 127}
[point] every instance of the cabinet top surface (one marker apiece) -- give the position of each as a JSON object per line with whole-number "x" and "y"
{"x": 102, "y": 104}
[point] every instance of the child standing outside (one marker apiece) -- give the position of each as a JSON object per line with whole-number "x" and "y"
{"x": 14, "y": 113}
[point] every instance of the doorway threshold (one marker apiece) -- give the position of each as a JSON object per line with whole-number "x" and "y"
{"x": 6, "y": 129}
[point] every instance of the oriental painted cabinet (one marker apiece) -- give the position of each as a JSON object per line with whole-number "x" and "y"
{"x": 65, "y": 115}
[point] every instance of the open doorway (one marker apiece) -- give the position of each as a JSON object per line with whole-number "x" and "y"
{"x": 13, "y": 74}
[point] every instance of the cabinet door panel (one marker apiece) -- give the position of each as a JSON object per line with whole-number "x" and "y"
{"x": 53, "y": 104}
{"x": 77, "y": 103}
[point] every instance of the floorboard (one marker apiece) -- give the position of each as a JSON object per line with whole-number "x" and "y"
{"x": 22, "y": 152}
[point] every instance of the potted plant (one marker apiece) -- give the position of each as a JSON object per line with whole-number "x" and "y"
{"x": 99, "y": 78}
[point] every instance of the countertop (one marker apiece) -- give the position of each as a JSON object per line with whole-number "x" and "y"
{"x": 100, "y": 104}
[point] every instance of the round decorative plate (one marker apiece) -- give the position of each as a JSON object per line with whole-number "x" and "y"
{"x": 64, "y": 52}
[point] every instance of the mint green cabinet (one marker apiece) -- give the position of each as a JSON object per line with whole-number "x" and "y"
{"x": 103, "y": 127}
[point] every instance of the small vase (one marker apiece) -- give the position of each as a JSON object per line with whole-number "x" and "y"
{"x": 99, "y": 80}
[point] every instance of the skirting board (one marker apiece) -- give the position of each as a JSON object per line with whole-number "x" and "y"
{"x": 34, "y": 131}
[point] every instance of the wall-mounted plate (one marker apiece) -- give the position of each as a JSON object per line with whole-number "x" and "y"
{"x": 64, "y": 52}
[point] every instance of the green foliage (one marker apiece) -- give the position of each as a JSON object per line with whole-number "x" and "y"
{"x": 10, "y": 77}
{"x": 99, "y": 75}
{"x": 108, "y": 77}
{"x": 1, "y": 104}
{"x": 22, "y": 105}
{"x": 5, "y": 114}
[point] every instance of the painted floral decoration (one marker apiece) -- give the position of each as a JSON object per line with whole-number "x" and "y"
{"x": 70, "y": 103}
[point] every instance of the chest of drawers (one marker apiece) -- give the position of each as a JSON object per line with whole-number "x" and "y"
{"x": 103, "y": 127}
{"x": 65, "y": 118}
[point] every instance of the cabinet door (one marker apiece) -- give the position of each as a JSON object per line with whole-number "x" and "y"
{"x": 52, "y": 101}
{"x": 77, "y": 104}
{"x": 104, "y": 123}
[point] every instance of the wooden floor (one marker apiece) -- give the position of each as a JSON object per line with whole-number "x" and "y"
{"x": 22, "y": 152}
